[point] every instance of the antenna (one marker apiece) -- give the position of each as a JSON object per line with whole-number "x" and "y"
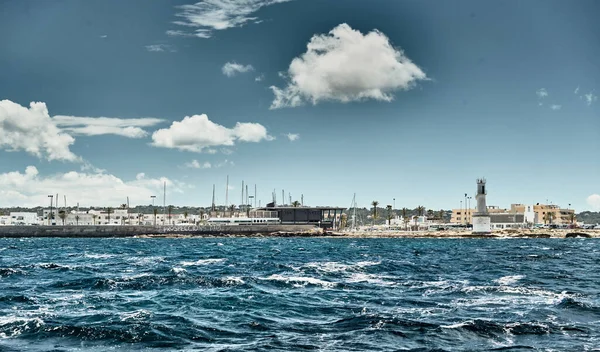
{"x": 227, "y": 192}
{"x": 213, "y": 199}
{"x": 247, "y": 196}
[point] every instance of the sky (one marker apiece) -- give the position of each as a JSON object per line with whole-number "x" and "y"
{"x": 403, "y": 102}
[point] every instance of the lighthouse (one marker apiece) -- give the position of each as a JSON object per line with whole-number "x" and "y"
{"x": 481, "y": 218}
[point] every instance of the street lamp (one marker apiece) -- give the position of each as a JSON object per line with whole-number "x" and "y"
{"x": 153, "y": 209}
{"x": 469, "y": 209}
{"x": 50, "y": 216}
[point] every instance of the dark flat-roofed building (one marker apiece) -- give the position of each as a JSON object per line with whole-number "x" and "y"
{"x": 325, "y": 217}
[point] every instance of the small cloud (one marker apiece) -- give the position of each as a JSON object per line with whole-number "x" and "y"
{"x": 231, "y": 69}
{"x": 194, "y": 164}
{"x": 292, "y": 136}
{"x": 594, "y": 202}
{"x": 590, "y": 98}
{"x": 140, "y": 176}
{"x": 159, "y": 48}
{"x": 103, "y": 36}
{"x": 555, "y": 107}
{"x": 259, "y": 78}
{"x": 225, "y": 163}
{"x": 576, "y": 90}
{"x": 542, "y": 92}
{"x": 226, "y": 151}
{"x": 540, "y": 103}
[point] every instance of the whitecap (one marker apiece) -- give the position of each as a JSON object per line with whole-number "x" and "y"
{"x": 98, "y": 256}
{"x": 178, "y": 270}
{"x": 135, "y": 315}
{"x": 300, "y": 281}
{"x": 371, "y": 279}
{"x": 233, "y": 280}
{"x": 204, "y": 262}
{"x": 509, "y": 280}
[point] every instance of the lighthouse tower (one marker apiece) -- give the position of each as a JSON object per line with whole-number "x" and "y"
{"x": 481, "y": 218}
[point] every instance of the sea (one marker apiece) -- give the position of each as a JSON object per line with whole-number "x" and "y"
{"x": 296, "y": 294}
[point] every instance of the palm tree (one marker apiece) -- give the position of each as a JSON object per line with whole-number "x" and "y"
{"x": 124, "y": 206}
{"x": 429, "y": 214}
{"x": 94, "y": 216}
{"x": 441, "y": 215}
{"x": 185, "y": 215}
{"x": 405, "y": 218}
{"x": 77, "y": 220}
{"x": 108, "y": 211}
{"x": 374, "y": 204}
{"x": 155, "y": 211}
{"x": 420, "y": 210}
{"x": 62, "y": 215}
{"x": 295, "y": 204}
{"x": 389, "y": 214}
{"x": 170, "y": 210}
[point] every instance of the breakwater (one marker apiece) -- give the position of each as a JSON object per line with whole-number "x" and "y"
{"x": 156, "y": 231}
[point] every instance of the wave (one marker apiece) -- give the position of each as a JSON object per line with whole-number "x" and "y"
{"x": 4, "y": 272}
{"x": 336, "y": 267}
{"x": 509, "y": 280}
{"x": 300, "y": 281}
{"x": 203, "y": 262}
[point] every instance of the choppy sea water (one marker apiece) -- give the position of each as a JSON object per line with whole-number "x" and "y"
{"x": 291, "y": 294}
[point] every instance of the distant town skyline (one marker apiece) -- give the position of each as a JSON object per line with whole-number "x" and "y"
{"x": 404, "y": 102}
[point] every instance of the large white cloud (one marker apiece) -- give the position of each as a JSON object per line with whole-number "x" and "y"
{"x": 346, "y": 65}
{"x": 210, "y": 15}
{"x": 33, "y": 131}
{"x": 231, "y": 69}
{"x": 29, "y": 189}
{"x": 196, "y": 133}
{"x": 594, "y": 202}
{"x": 95, "y": 126}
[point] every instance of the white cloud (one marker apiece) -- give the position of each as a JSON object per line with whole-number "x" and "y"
{"x": 225, "y": 163}
{"x": 194, "y": 164}
{"x": 97, "y": 189}
{"x": 594, "y": 202}
{"x": 576, "y": 90}
{"x": 555, "y": 107}
{"x": 226, "y": 151}
{"x": 231, "y": 69}
{"x": 259, "y": 78}
{"x": 33, "y": 131}
{"x": 292, "y": 136}
{"x": 103, "y": 36}
{"x": 213, "y": 15}
{"x": 197, "y": 133}
{"x": 346, "y": 65}
{"x": 160, "y": 48}
{"x": 590, "y": 98}
{"x": 96, "y": 126}
{"x": 542, "y": 93}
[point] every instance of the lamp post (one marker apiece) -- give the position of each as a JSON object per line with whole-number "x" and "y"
{"x": 461, "y": 209}
{"x": 469, "y": 209}
{"x": 466, "y": 209}
{"x": 50, "y": 216}
{"x": 153, "y": 197}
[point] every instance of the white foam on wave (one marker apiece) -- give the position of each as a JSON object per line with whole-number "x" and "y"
{"x": 142, "y": 261}
{"x": 300, "y": 281}
{"x": 23, "y": 323}
{"x": 98, "y": 255}
{"x": 178, "y": 270}
{"x": 371, "y": 279}
{"x": 232, "y": 280}
{"x": 336, "y": 267}
{"x": 203, "y": 262}
{"x": 135, "y": 315}
{"x": 509, "y": 280}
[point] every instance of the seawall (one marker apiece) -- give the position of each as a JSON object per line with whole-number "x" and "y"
{"x": 160, "y": 231}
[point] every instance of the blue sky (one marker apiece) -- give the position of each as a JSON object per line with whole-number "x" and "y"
{"x": 411, "y": 100}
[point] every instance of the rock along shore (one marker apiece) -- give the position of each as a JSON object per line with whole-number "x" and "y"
{"x": 269, "y": 231}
